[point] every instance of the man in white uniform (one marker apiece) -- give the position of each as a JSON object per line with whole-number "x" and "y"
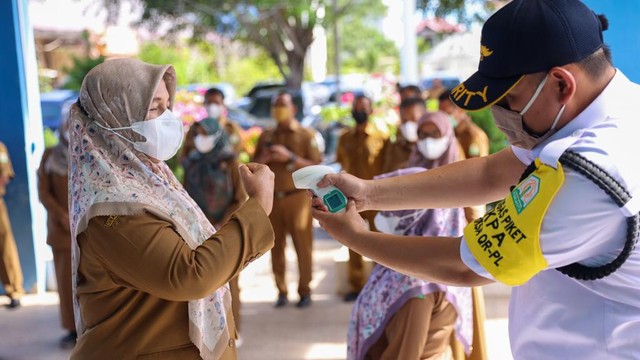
{"x": 565, "y": 233}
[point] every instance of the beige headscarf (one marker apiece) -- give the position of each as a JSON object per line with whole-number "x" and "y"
{"x": 108, "y": 177}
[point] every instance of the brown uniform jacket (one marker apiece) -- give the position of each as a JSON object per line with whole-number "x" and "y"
{"x": 296, "y": 139}
{"x": 53, "y": 190}
{"x": 394, "y": 154}
{"x": 136, "y": 275}
{"x": 5, "y": 167}
{"x": 472, "y": 138}
{"x": 357, "y": 153}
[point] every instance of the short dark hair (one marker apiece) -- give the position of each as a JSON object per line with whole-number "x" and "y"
{"x": 361, "y": 97}
{"x": 413, "y": 88}
{"x": 407, "y": 103}
{"x": 597, "y": 63}
{"x": 445, "y": 95}
{"x": 214, "y": 91}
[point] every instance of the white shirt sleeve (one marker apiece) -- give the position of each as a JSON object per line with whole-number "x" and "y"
{"x": 582, "y": 224}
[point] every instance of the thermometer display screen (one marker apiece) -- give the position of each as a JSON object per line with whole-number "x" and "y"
{"x": 335, "y": 201}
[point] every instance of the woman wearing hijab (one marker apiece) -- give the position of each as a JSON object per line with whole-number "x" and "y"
{"x": 437, "y": 145}
{"x": 212, "y": 179}
{"x": 53, "y": 192}
{"x": 401, "y": 317}
{"x": 149, "y": 270}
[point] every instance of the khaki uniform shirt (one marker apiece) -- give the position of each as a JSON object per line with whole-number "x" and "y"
{"x": 5, "y": 167}
{"x": 472, "y": 138}
{"x": 357, "y": 153}
{"x": 136, "y": 275}
{"x": 53, "y": 192}
{"x": 296, "y": 139}
{"x": 394, "y": 154}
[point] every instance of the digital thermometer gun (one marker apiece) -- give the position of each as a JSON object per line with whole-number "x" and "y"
{"x": 308, "y": 178}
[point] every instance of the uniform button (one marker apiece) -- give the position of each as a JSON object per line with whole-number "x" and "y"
{"x": 231, "y": 342}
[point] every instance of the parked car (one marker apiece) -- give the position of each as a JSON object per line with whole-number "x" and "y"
{"x": 55, "y": 104}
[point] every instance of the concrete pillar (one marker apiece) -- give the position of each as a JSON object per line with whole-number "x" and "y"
{"x": 21, "y": 131}
{"x": 409, "y": 51}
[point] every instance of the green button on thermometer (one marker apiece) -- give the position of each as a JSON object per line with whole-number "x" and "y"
{"x": 308, "y": 178}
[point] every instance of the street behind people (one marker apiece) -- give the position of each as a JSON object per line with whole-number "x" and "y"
{"x": 149, "y": 269}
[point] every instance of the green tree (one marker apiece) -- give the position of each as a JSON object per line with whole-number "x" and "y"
{"x": 77, "y": 72}
{"x": 466, "y": 11}
{"x": 367, "y": 52}
{"x": 284, "y": 30}
{"x": 192, "y": 65}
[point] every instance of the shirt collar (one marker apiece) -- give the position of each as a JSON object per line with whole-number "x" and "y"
{"x": 604, "y": 106}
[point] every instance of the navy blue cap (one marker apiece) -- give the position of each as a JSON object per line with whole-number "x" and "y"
{"x": 526, "y": 37}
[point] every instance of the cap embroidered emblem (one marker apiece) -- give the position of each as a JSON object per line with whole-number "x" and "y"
{"x": 485, "y": 52}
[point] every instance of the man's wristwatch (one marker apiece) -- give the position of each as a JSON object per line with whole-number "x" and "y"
{"x": 291, "y": 164}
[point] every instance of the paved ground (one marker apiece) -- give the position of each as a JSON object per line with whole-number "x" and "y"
{"x": 316, "y": 333}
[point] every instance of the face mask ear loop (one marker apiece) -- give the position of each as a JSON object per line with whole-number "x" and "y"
{"x": 115, "y": 133}
{"x": 555, "y": 122}
{"x": 534, "y": 97}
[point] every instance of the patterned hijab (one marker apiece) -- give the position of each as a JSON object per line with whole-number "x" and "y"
{"x": 386, "y": 290}
{"x": 452, "y": 154}
{"x": 108, "y": 177}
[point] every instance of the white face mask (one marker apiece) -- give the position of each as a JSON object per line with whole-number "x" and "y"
{"x": 409, "y": 131}
{"x": 214, "y": 111}
{"x": 163, "y": 134}
{"x": 512, "y": 123}
{"x": 204, "y": 143}
{"x": 433, "y": 148}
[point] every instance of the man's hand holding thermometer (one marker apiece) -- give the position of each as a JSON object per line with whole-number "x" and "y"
{"x": 309, "y": 177}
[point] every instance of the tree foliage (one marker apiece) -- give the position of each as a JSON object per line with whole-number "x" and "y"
{"x": 367, "y": 52}
{"x": 466, "y": 11}
{"x": 77, "y": 72}
{"x": 283, "y": 29}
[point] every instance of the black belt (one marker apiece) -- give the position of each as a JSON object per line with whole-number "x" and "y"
{"x": 284, "y": 194}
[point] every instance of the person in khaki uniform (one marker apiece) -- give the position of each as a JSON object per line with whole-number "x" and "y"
{"x": 472, "y": 139}
{"x": 395, "y": 152}
{"x": 10, "y": 270}
{"x": 212, "y": 179}
{"x": 53, "y": 182}
{"x": 357, "y": 152}
{"x": 149, "y": 270}
{"x": 286, "y": 148}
